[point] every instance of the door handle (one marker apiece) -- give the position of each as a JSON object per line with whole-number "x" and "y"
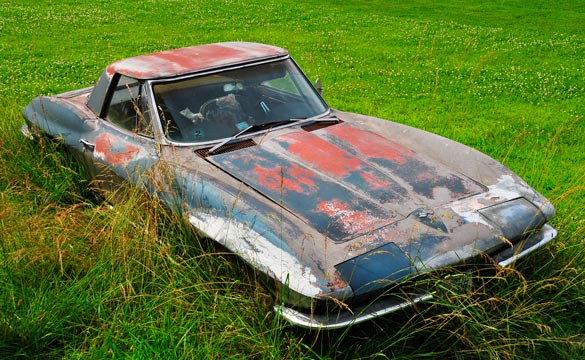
{"x": 87, "y": 146}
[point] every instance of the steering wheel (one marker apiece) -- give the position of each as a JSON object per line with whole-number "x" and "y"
{"x": 210, "y": 106}
{"x": 215, "y": 106}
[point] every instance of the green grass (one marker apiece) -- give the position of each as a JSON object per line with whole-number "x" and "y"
{"x": 80, "y": 279}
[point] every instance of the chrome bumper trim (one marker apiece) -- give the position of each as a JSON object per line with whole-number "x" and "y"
{"x": 546, "y": 234}
{"x": 344, "y": 318}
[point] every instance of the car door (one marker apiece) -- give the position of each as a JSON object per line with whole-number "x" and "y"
{"x": 123, "y": 145}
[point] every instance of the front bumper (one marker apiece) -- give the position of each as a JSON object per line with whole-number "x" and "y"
{"x": 384, "y": 305}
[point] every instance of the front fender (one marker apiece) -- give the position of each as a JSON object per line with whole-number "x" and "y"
{"x": 253, "y": 230}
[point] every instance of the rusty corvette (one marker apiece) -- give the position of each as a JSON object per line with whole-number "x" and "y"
{"x": 339, "y": 211}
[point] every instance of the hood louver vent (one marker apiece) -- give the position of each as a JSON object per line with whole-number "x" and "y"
{"x": 226, "y": 148}
{"x": 320, "y": 124}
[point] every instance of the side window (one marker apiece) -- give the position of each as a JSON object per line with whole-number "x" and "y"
{"x": 128, "y": 108}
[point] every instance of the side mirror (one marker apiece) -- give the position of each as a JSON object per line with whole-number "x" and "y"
{"x": 318, "y": 86}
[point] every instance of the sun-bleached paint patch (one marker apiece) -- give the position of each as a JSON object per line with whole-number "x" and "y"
{"x": 258, "y": 251}
{"x": 504, "y": 190}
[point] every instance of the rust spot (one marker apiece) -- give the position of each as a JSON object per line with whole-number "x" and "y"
{"x": 337, "y": 282}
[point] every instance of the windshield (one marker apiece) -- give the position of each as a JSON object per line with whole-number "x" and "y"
{"x": 216, "y": 106}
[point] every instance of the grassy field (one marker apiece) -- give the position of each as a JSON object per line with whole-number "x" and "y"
{"x": 80, "y": 279}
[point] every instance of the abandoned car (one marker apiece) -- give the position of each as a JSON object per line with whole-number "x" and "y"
{"x": 339, "y": 211}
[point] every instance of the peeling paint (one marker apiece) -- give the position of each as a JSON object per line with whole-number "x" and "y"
{"x": 352, "y": 221}
{"x": 308, "y": 205}
{"x": 192, "y": 59}
{"x": 259, "y": 252}
{"x": 425, "y": 178}
{"x": 504, "y": 190}
{"x": 280, "y": 179}
{"x": 321, "y": 154}
{"x": 370, "y": 144}
{"x": 114, "y": 151}
{"x": 306, "y": 192}
{"x": 330, "y": 160}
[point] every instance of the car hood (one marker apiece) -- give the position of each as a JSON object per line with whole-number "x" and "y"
{"x": 344, "y": 181}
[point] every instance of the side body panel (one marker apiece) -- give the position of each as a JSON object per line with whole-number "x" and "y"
{"x": 105, "y": 151}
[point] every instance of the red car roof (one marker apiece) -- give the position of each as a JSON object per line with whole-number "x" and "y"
{"x": 192, "y": 59}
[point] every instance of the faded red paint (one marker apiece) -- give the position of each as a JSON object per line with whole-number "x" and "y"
{"x": 192, "y": 59}
{"x": 321, "y": 154}
{"x": 370, "y": 144}
{"x": 374, "y": 181}
{"x": 279, "y": 179}
{"x": 353, "y": 221}
{"x": 338, "y": 163}
{"x": 425, "y": 176}
{"x": 106, "y": 147}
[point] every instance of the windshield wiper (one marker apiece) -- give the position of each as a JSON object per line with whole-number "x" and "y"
{"x": 258, "y": 127}
{"x": 255, "y": 127}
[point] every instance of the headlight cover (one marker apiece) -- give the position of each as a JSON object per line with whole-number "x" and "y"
{"x": 515, "y": 218}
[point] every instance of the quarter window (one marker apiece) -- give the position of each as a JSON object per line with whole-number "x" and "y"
{"x": 128, "y": 108}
